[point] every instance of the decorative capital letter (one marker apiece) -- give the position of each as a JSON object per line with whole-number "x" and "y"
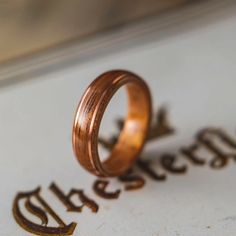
{"x": 41, "y": 213}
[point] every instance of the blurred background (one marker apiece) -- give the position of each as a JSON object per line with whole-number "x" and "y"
{"x": 38, "y": 34}
{"x": 29, "y": 26}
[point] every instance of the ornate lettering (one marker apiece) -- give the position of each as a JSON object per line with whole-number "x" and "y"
{"x": 168, "y": 163}
{"x": 161, "y": 126}
{"x": 133, "y": 181}
{"x": 190, "y": 154}
{"x": 66, "y": 199}
{"x": 221, "y": 158}
{"x": 41, "y": 213}
{"x": 145, "y": 166}
{"x": 99, "y": 188}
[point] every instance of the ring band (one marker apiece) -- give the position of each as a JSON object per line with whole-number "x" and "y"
{"x": 89, "y": 115}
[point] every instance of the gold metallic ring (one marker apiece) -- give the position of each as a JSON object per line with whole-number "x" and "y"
{"x": 89, "y": 115}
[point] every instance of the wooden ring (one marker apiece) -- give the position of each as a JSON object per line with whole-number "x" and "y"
{"x": 89, "y": 115}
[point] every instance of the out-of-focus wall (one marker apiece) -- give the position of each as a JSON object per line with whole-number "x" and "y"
{"x": 27, "y": 26}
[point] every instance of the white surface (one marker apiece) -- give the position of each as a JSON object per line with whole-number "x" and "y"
{"x": 194, "y": 73}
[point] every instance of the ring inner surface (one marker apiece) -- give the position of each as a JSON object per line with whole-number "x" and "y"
{"x": 133, "y": 134}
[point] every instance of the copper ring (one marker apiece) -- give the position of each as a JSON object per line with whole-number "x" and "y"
{"x": 89, "y": 115}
